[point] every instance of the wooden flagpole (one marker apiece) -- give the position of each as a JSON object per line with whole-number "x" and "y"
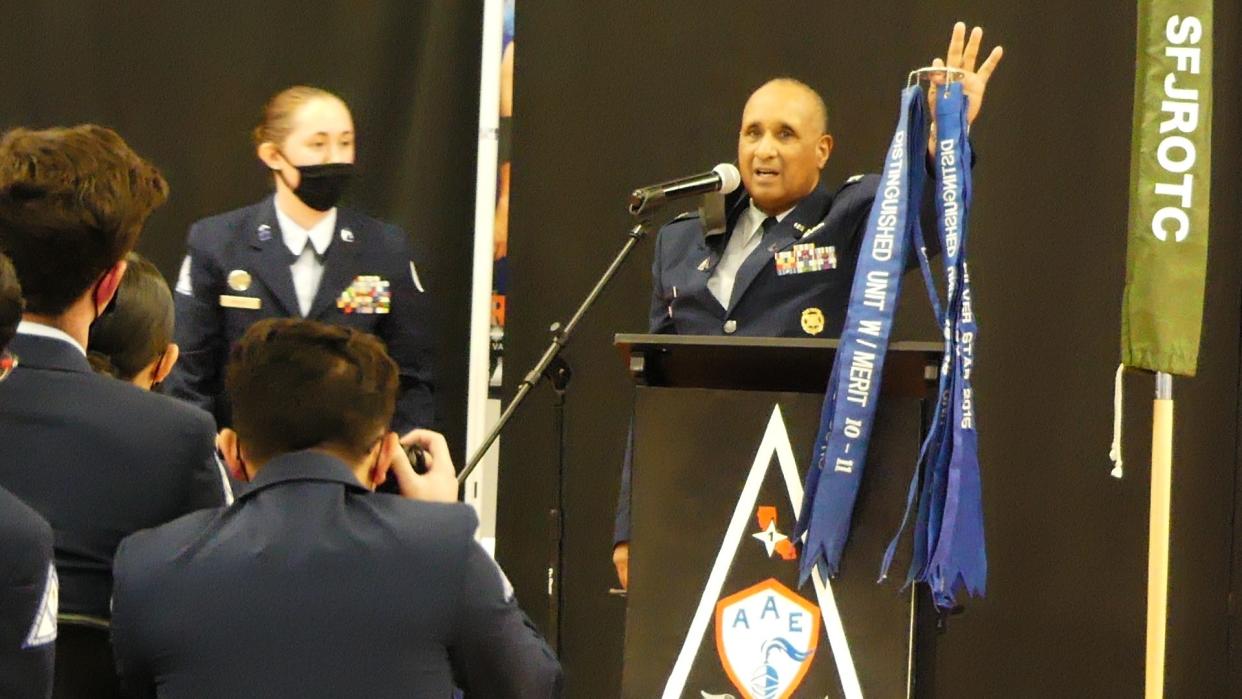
{"x": 1158, "y": 534}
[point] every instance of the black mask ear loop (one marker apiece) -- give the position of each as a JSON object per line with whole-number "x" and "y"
{"x": 97, "y": 314}
{"x": 245, "y": 475}
{"x": 156, "y": 385}
{"x": 375, "y": 466}
{"x": 280, "y": 172}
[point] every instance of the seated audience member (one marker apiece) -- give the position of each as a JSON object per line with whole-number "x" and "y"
{"x": 311, "y": 584}
{"x": 133, "y": 340}
{"x": 98, "y": 458}
{"x": 27, "y": 578}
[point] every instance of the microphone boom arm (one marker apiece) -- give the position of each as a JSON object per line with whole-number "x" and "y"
{"x": 560, "y": 337}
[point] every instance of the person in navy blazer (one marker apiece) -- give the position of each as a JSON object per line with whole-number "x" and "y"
{"x": 28, "y": 589}
{"x": 28, "y": 584}
{"x": 98, "y": 458}
{"x": 783, "y": 264}
{"x": 298, "y": 255}
{"x": 311, "y": 584}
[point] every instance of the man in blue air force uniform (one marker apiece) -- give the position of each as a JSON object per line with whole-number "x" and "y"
{"x": 98, "y": 458}
{"x": 312, "y": 585}
{"x": 29, "y": 589}
{"x": 784, "y": 264}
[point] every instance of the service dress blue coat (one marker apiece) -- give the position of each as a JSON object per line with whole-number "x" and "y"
{"x": 309, "y": 585}
{"x": 236, "y": 272}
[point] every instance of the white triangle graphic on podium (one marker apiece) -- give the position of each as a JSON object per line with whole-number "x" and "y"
{"x": 775, "y": 443}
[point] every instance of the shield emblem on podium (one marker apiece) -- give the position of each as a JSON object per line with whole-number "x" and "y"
{"x": 766, "y": 637}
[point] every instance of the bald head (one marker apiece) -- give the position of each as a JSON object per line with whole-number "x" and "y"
{"x": 783, "y": 143}
{"x": 794, "y": 90}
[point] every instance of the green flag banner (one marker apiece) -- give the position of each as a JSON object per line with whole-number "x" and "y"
{"x": 1170, "y": 184}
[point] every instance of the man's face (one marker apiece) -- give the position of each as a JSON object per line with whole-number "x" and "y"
{"x": 781, "y": 147}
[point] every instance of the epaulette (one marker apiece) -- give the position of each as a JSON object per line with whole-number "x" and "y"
{"x": 849, "y": 182}
{"x": 693, "y": 213}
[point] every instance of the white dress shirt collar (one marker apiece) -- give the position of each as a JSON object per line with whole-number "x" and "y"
{"x": 747, "y": 234}
{"x": 759, "y": 217}
{"x": 27, "y": 327}
{"x": 295, "y": 236}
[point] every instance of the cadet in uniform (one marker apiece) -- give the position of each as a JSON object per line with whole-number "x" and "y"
{"x": 311, "y": 585}
{"x": 28, "y": 585}
{"x": 298, "y": 255}
{"x": 99, "y": 459}
{"x": 786, "y": 266}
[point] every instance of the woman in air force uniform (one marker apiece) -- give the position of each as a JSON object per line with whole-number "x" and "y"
{"x": 297, "y": 254}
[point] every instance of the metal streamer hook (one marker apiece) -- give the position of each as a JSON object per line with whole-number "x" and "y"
{"x": 949, "y": 73}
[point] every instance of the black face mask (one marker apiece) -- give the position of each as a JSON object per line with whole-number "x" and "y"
{"x": 320, "y": 186}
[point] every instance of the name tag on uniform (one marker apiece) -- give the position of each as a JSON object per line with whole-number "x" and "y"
{"x": 248, "y": 303}
{"x": 366, "y": 294}
{"x": 806, "y": 257}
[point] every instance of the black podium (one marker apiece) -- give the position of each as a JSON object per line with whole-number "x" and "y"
{"x": 724, "y": 429}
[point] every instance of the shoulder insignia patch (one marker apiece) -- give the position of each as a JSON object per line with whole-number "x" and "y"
{"x": 43, "y": 629}
{"x": 418, "y": 283}
{"x": 183, "y": 279}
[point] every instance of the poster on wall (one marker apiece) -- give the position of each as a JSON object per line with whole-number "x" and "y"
{"x": 500, "y": 227}
{"x": 491, "y": 253}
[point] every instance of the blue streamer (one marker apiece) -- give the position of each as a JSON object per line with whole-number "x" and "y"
{"x": 945, "y": 491}
{"x": 849, "y": 405}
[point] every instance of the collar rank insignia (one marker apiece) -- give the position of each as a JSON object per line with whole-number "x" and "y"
{"x": 805, "y": 257}
{"x": 366, "y": 294}
{"x": 807, "y": 233}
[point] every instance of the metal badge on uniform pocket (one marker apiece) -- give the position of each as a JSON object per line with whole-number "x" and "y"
{"x": 806, "y": 257}
{"x": 366, "y": 294}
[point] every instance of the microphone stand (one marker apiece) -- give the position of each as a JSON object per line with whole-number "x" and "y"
{"x": 553, "y": 367}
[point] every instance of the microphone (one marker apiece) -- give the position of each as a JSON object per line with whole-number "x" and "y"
{"x": 723, "y": 178}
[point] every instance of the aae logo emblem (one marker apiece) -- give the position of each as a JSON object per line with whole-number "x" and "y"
{"x": 766, "y": 637}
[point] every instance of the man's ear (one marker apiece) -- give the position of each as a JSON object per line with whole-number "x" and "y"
{"x": 823, "y": 149}
{"x": 166, "y": 363}
{"x": 227, "y": 443}
{"x": 383, "y": 459}
{"x": 108, "y": 284}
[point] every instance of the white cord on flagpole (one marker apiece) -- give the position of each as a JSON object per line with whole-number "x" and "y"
{"x": 1114, "y": 451}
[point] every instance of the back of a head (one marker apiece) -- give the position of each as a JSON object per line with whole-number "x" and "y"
{"x": 138, "y": 328}
{"x": 10, "y": 302}
{"x": 297, "y": 384}
{"x": 72, "y": 203}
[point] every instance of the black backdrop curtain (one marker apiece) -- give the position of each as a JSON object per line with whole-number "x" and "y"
{"x": 614, "y": 95}
{"x": 184, "y": 84}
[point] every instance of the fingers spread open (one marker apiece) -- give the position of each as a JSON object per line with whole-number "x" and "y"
{"x": 971, "y": 54}
{"x": 989, "y": 65}
{"x": 956, "y": 45}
